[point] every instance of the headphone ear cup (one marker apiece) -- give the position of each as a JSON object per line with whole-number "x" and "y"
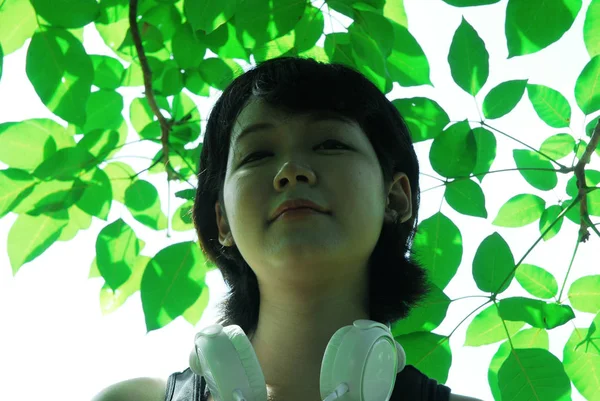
{"x": 195, "y": 363}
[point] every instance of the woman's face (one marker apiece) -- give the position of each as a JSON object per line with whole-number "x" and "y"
{"x": 328, "y": 161}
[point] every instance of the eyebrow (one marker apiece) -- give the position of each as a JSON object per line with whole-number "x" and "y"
{"x": 315, "y": 116}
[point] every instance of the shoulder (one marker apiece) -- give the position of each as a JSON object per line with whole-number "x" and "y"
{"x": 138, "y": 389}
{"x": 456, "y": 397}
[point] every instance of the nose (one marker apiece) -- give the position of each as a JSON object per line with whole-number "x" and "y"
{"x": 294, "y": 172}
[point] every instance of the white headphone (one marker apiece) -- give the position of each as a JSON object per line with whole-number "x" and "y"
{"x": 360, "y": 363}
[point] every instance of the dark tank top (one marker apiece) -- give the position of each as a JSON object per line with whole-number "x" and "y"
{"x": 411, "y": 385}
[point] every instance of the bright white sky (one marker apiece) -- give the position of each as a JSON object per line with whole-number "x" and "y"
{"x": 52, "y": 324}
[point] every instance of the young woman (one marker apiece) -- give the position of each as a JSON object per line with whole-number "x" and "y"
{"x": 322, "y": 142}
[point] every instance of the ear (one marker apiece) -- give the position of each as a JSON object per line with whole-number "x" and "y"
{"x": 225, "y": 236}
{"x": 399, "y": 199}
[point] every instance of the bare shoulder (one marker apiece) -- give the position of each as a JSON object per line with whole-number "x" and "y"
{"x": 456, "y": 397}
{"x": 138, "y": 389}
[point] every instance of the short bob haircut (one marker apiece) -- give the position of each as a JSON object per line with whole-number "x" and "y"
{"x": 397, "y": 282}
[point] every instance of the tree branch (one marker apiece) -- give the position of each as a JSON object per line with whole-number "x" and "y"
{"x": 581, "y": 184}
{"x": 165, "y": 127}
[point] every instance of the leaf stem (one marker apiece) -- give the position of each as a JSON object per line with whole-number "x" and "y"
{"x": 561, "y": 214}
{"x": 470, "y": 296}
{"x": 462, "y": 321}
{"x": 504, "y": 324}
{"x": 569, "y": 269}
{"x": 563, "y": 169}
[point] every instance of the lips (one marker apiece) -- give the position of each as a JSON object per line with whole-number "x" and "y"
{"x": 297, "y": 204}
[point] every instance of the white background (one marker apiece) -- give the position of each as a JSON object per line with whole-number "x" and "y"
{"x": 56, "y": 344}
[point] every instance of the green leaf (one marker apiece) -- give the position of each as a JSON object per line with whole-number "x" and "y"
{"x": 430, "y": 353}
{"x": 1, "y": 60}
{"x": 194, "y": 83}
{"x": 134, "y": 76}
{"x": 309, "y": 29}
{"x": 226, "y": 42}
{"x": 103, "y": 144}
{"x": 165, "y": 17}
{"x": 591, "y": 28}
{"x": 78, "y": 220}
{"x": 172, "y": 282}
{"x": 527, "y": 338}
{"x": 187, "y": 194}
{"x": 67, "y": 13}
{"x": 407, "y": 64}
{"x": 525, "y": 36}
{"x": 493, "y": 264}
{"x": 113, "y": 23}
{"x": 466, "y": 197}
{"x": 550, "y": 105}
{"x": 424, "y": 117}
{"x": 535, "y": 312}
{"x": 558, "y": 146}
{"x": 17, "y": 24}
{"x": 219, "y": 73}
{"x": 108, "y": 71}
{"x": 30, "y": 236}
{"x": 117, "y": 248}
{"x": 259, "y": 22}
{"x": 470, "y": 3}
{"x": 97, "y": 196}
{"x": 188, "y": 116}
{"x": 65, "y": 164}
{"x": 453, "y": 153}
{"x": 208, "y": 15}
{"x": 468, "y": 59}
{"x": 194, "y": 313}
{"x": 503, "y": 98}
{"x": 188, "y": 50}
{"x": 520, "y": 210}
{"x": 548, "y": 216}
{"x": 142, "y": 200}
{"x": 111, "y": 300}
{"x": 377, "y": 27}
{"x": 367, "y": 54}
{"x": 61, "y": 73}
{"x": 394, "y": 11}
{"x": 120, "y": 176}
{"x": 44, "y": 194}
{"x": 103, "y": 110}
{"x": 535, "y": 169}
{"x": 425, "y": 317}
{"x": 486, "y": 151}
{"x": 170, "y": 82}
{"x": 487, "y": 328}
{"x": 16, "y": 185}
{"x": 182, "y": 218}
{"x": 438, "y": 246}
{"x": 26, "y": 144}
{"x": 587, "y": 87}
{"x": 591, "y": 126}
{"x": 533, "y": 374}
{"x": 581, "y": 360}
{"x": 141, "y": 115}
{"x": 584, "y": 294}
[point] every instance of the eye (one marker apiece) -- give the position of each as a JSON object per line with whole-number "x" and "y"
{"x": 252, "y": 155}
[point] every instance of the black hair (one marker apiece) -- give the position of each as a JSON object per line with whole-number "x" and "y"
{"x": 397, "y": 282}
